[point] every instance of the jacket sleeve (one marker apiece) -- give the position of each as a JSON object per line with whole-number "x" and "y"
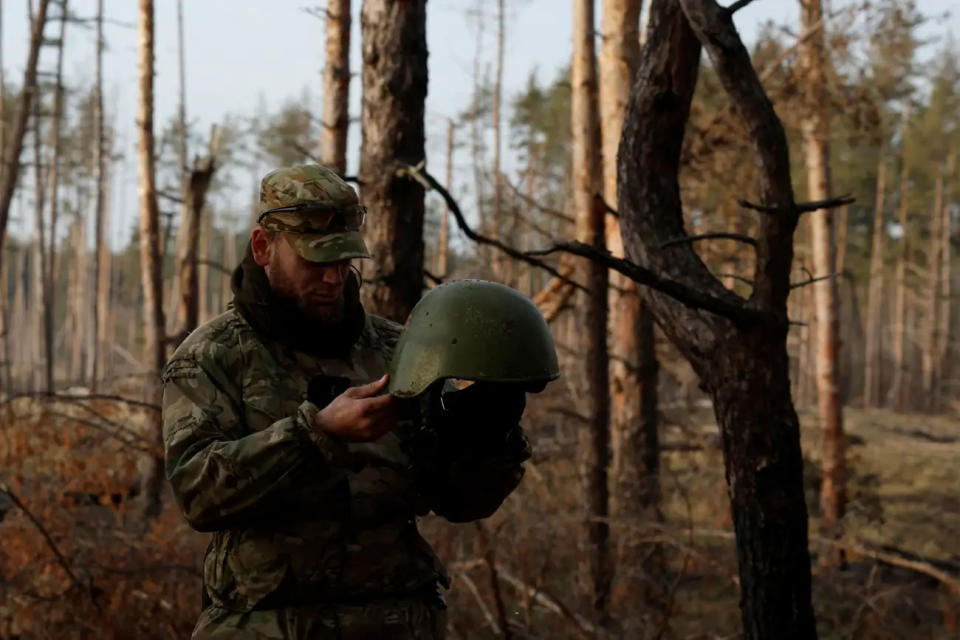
{"x": 478, "y": 457}
{"x": 220, "y": 472}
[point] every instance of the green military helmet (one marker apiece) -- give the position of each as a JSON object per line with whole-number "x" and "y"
{"x": 318, "y": 210}
{"x": 473, "y": 330}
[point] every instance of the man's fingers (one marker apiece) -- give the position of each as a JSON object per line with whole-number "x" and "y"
{"x": 371, "y": 389}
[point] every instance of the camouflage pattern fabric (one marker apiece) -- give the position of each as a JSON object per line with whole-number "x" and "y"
{"x": 298, "y": 517}
{"x": 318, "y": 186}
{"x": 389, "y": 619}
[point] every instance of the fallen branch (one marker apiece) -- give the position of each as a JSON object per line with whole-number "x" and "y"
{"x": 429, "y": 182}
{"x": 736, "y": 313}
{"x": 720, "y": 235}
{"x": 46, "y": 535}
{"x": 804, "y": 283}
{"x": 471, "y": 585}
{"x": 58, "y": 397}
{"x": 801, "y": 207}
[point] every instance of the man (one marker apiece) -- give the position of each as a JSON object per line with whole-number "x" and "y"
{"x": 311, "y": 491}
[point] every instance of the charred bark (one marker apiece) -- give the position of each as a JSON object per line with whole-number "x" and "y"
{"x": 336, "y": 87}
{"x": 394, "y": 92}
{"x": 744, "y": 366}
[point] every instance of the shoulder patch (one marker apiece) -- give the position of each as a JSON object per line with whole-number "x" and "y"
{"x": 208, "y": 341}
{"x": 385, "y": 334}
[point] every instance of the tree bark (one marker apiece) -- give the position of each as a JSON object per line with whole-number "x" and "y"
{"x": 151, "y": 264}
{"x": 898, "y": 389}
{"x": 497, "y": 178}
{"x": 14, "y": 144}
{"x": 443, "y": 251}
{"x": 635, "y": 486}
{"x": 931, "y": 324}
{"x": 336, "y": 87}
{"x": 743, "y": 365}
{"x": 101, "y": 252}
{"x": 196, "y": 194}
{"x": 393, "y": 33}
{"x": 871, "y": 369}
{"x": 594, "y": 449}
{"x": 816, "y": 136}
{"x": 943, "y": 308}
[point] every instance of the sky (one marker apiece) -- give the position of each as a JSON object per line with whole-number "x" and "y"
{"x": 241, "y": 54}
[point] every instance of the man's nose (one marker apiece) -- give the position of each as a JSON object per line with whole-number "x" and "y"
{"x": 333, "y": 273}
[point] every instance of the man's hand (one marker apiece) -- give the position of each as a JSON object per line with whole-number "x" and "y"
{"x": 359, "y": 414}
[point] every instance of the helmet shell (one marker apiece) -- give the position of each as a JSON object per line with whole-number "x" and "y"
{"x": 474, "y": 330}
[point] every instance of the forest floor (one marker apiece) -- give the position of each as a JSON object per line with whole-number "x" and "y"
{"x": 904, "y": 504}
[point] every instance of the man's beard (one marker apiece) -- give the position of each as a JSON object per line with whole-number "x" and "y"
{"x": 323, "y": 313}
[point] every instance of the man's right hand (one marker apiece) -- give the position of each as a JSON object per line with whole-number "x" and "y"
{"x": 359, "y": 414}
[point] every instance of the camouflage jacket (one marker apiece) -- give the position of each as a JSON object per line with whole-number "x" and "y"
{"x": 298, "y": 516}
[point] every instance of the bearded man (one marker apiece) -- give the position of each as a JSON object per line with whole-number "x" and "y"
{"x": 280, "y": 441}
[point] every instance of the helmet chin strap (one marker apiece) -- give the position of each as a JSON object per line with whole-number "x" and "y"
{"x": 356, "y": 271}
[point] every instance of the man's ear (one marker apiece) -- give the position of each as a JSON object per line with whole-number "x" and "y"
{"x": 260, "y": 246}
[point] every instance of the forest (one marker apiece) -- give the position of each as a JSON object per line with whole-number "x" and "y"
{"x": 744, "y": 251}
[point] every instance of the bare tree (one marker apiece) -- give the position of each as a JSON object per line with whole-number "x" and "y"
{"x": 931, "y": 322}
{"x": 497, "y": 177}
{"x": 898, "y": 387}
{"x": 739, "y": 350}
{"x": 101, "y": 259}
{"x": 195, "y": 196}
{"x": 443, "y": 251}
{"x": 336, "y": 87}
{"x": 946, "y": 292}
{"x": 816, "y": 138}
{"x": 635, "y": 486}
{"x": 14, "y": 144}
{"x": 871, "y": 369}
{"x": 593, "y": 449}
{"x": 393, "y": 34}
{"x": 151, "y": 262}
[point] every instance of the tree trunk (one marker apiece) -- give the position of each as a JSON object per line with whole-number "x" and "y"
{"x": 336, "y": 88}
{"x": 635, "y": 485}
{"x": 393, "y": 34}
{"x": 443, "y": 251}
{"x": 497, "y": 178}
{"x": 151, "y": 264}
{"x": 816, "y": 136}
{"x": 14, "y": 144}
{"x": 594, "y": 446}
{"x": 931, "y": 323}
{"x": 38, "y": 266}
{"x": 742, "y": 363}
{"x": 871, "y": 369}
{"x": 101, "y": 252}
{"x": 943, "y": 308}
{"x": 898, "y": 389}
{"x": 194, "y": 199}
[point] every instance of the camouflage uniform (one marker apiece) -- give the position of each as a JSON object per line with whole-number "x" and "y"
{"x": 312, "y": 537}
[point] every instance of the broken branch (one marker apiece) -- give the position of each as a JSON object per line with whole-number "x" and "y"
{"x": 429, "y": 182}
{"x": 720, "y": 235}
{"x": 736, "y": 313}
{"x": 801, "y": 207}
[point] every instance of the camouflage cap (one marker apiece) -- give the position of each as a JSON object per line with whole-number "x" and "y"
{"x": 318, "y": 207}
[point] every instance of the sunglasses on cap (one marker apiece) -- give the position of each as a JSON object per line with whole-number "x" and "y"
{"x": 324, "y": 218}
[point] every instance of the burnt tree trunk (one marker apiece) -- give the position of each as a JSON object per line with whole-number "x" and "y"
{"x": 594, "y": 441}
{"x": 151, "y": 261}
{"x": 336, "y": 87}
{"x": 634, "y": 485}
{"x": 742, "y": 361}
{"x": 874, "y": 319}
{"x": 195, "y": 196}
{"x": 393, "y": 34}
{"x": 13, "y": 145}
{"x": 816, "y": 138}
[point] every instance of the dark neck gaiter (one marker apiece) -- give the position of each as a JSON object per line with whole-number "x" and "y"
{"x": 279, "y": 319}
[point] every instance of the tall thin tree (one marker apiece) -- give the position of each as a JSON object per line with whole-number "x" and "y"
{"x": 151, "y": 264}
{"x": 594, "y": 446}
{"x": 875, "y": 288}
{"x": 816, "y": 138}
{"x": 101, "y": 249}
{"x": 14, "y": 144}
{"x": 336, "y": 87}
